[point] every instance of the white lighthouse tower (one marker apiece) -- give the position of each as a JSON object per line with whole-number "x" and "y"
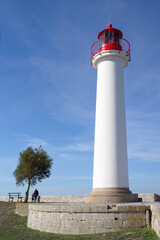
{"x": 109, "y": 56}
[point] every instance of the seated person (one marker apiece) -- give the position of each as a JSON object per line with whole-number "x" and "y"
{"x": 35, "y": 195}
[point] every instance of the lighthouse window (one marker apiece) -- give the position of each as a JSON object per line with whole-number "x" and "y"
{"x": 102, "y": 39}
{"x": 108, "y": 34}
{"x": 116, "y": 34}
{"x": 102, "y": 36}
{"x": 116, "y": 39}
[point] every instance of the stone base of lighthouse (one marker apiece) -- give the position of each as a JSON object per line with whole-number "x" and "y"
{"x": 111, "y": 195}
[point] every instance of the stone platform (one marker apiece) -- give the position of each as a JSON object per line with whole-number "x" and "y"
{"x": 70, "y": 214}
{"x": 86, "y": 218}
{"x": 111, "y": 195}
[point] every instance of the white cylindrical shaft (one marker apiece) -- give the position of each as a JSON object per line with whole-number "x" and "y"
{"x": 110, "y": 147}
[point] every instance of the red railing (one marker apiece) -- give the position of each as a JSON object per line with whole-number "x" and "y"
{"x": 110, "y": 43}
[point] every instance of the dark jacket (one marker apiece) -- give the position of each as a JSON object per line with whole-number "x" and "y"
{"x": 35, "y": 194}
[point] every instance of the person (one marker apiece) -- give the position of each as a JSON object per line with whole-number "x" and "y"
{"x": 35, "y": 195}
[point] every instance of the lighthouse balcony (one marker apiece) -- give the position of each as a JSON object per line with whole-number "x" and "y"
{"x": 110, "y": 43}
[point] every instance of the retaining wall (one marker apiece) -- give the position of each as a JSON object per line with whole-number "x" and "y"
{"x": 155, "y": 209}
{"x": 21, "y": 209}
{"x": 82, "y": 218}
{"x": 60, "y": 198}
{"x": 69, "y": 214}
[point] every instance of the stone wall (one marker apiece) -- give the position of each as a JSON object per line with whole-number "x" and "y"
{"x": 91, "y": 218}
{"x": 65, "y": 198}
{"x": 82, "y": 218}
{"x": 155, "y": 209}
{"x": 61, "y": 198}
{"x": 148, "y": 197}
{"x": 4, "y": 198}
{"x": 144, "y": 197}
{"x": 69, "y": 214}
{"x": 21, "y": 209}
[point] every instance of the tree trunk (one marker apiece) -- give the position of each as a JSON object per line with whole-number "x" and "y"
{"x": 27, "y": 192}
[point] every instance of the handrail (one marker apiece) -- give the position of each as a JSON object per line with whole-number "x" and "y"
{"x": 119, "y": 42}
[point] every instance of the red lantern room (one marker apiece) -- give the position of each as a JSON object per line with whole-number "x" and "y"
{"x": 110, "y": 39}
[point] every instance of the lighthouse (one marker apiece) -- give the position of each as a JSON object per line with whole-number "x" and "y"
{"x": 110, "y": 54}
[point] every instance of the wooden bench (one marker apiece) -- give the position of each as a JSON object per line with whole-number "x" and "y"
{"x": 15, "y": 195}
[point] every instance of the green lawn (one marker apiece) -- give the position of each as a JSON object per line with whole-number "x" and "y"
{"x": 14, "y": 227}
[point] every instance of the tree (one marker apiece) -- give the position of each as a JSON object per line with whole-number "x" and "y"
{"x": 33, "y": 166}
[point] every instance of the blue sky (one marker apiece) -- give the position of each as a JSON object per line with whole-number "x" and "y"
{"x": 48, "y": 89}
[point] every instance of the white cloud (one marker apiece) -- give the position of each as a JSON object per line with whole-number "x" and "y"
{"x": 143, "y": 176}
{"x": 78, "y": 147}
{"x": 71, "y": 177}
{"x": 7, "y": 179}
{"x": 32, "y": 141}
{"x": 8, "y": 160}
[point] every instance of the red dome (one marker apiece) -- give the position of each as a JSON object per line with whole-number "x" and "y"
{"x": 112, "y": 31}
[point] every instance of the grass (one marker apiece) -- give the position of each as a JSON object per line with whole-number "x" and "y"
{"x": 14, "y": 227}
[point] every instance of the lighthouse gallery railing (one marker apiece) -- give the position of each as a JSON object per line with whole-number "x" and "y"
{"x": 110, "y": 43}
